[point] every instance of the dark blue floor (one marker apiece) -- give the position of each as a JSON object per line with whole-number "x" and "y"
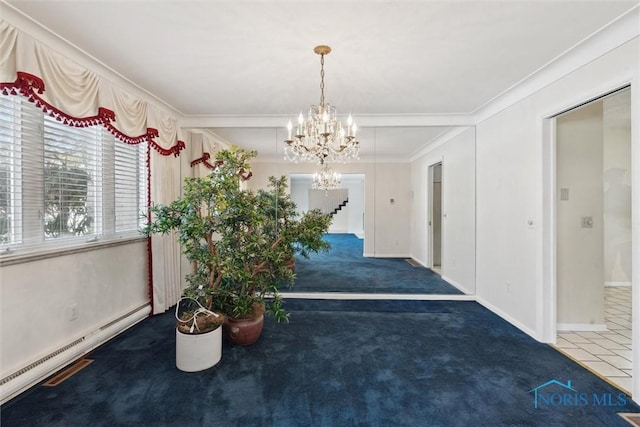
{"x": 337, "y": 363}
{"x": 344, "y": 269}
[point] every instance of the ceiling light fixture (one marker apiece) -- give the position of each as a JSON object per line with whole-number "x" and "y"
{"x": 321, "y": 136}
{"x": 326, "y": 179}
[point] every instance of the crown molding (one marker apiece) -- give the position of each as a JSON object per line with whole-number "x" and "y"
{"x": 440, "y": 140}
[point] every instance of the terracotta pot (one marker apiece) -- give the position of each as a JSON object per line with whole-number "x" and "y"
{"x": 244, "y": 331}
{"x": 290, "y": 263}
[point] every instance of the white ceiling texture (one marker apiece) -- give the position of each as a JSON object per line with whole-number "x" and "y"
{"x": 407, "y": 69}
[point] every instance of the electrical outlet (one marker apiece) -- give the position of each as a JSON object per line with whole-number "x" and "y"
{"x": 72, "y": 312}
{"x": 508, "y": 286}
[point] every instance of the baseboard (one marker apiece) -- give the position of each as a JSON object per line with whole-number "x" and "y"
{"x": 612, "y": 284}
{"x": 363, "y": 296}
{"x": 508, "y": 318}
{"x": 377, "y": 255}
{"x": 33, "y": 373}
{"x": 582, "y": 327}
{"x": 456, "y": 285}
{"x": 421, "y": 262}
{"x": 359, "y": 235}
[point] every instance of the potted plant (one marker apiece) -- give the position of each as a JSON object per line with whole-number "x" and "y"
{"x": 238, "y": 246}
{"x": 193, "y": 216}
{"x": 198, "y": 336}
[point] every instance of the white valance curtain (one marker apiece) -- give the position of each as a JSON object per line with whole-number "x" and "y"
{"x": 79, "y": 97}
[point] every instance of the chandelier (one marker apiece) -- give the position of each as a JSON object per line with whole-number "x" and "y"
{"x": 326, "y": 179}
{"x": 321, "y": 136}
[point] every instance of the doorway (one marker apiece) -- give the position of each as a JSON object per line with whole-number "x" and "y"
{"x": 435, "y": 217}
{"x": 593, "y": 237}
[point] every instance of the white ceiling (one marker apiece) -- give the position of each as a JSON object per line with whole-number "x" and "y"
{"x": 243, "y": 68}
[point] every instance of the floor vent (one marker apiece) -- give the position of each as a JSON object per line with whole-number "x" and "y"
{"x": 413, "y": 262}
{"x": 40, "y": 361}
{"x": 67, "y": 373}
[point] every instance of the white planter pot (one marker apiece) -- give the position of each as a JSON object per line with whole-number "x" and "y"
{"x": 198, "y": 352}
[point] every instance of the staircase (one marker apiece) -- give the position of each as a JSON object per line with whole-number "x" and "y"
{"x": 340, "y": 206}
{"x": 329, "y": 201}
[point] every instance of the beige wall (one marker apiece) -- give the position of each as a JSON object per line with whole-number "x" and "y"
{"x": 580, "y": 273}
{"x": 617, "y": 189}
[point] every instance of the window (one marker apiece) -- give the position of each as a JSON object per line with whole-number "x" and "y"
{"x": 62, "y": 185}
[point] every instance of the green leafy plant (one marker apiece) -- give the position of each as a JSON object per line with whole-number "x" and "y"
{"x": 239, "y": 244}
{"x": 301, "y": 234}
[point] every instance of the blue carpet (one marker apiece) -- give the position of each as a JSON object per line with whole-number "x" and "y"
{"x": 344, "y": 269}
{"x": 337, "y": 363}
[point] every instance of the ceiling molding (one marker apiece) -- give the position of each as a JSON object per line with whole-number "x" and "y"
{"x": 438, "y": 142}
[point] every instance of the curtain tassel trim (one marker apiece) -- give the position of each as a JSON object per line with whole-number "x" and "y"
{"x": 31, "y": 87}
{"x": 242, "y": 174}
{"x": 205, "y": 161}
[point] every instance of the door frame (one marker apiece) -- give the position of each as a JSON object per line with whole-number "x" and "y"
{"x": 430, "y": 215}
{"x": 546, "y": 295}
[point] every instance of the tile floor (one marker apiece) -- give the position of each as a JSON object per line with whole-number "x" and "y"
{"x": 608, "y": 353}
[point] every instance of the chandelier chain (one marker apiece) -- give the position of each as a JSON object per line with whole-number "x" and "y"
{"x": 322, "y": 80}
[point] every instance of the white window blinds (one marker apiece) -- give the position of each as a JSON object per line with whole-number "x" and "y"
{"x": 62, "y": 185}
{"x": 130, "y": 186}
{"x": 72, "y": 179}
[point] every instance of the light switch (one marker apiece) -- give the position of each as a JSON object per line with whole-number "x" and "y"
{"x": 564, "y": 194}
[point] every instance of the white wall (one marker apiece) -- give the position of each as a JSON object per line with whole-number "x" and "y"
{"x": 299, "y": 190}
{"x": 458, "y": 203}
{"x": 512, "y": 274}
{"x": 35, "y": 297}
{"x": 386, "y": 226}
{"x": 354, "y": 210}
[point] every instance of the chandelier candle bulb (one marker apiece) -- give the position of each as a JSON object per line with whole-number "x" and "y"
{"x": 300, "y": 133}
{"x": 289, "y": 127}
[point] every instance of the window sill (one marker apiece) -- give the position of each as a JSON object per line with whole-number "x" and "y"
{"x": 12, "y": 259}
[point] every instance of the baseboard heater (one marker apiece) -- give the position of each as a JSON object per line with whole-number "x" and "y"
{"x": 30, "y": 375}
